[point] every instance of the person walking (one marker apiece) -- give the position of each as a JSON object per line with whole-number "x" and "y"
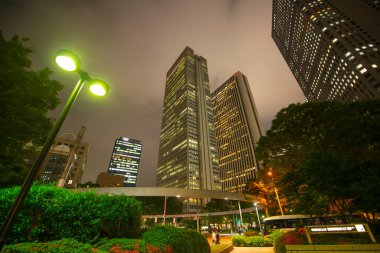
{"x": 217, "y": 241}
{"x": 213, "y": 236}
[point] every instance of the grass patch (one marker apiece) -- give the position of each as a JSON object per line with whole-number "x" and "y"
{"x": 216, "y": 248}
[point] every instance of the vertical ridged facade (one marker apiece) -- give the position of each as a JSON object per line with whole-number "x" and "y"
{"x": 237, "y": 131}
{"x": 125, "y": 160}
{"x": 188, "y": 151}
{"x": 331, "y": 46}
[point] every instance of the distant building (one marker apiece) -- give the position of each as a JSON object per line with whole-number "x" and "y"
{"x": 237, "y": 132}
{"x": 125, "y": 160}
{"x": 331, "y": 46}
{"x": 110, "y": 180}
{"x": 188, "y": 155}
{"x": 66, "y": 160}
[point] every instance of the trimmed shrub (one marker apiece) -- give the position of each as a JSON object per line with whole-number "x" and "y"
{"x": 123, "y": 244}
{"x": 251, "y": 233}
{"x": 258, "y": 241}
{"x": 278, "y": 246}
{"x": 51, "y": 213}
{"x": 119, "y": 245}
{"x": 61, "y": 246}
{"x": 251, "y": 241}
{"x": 297, "y": 237}
{"x": 274, "y": 234}
{"x": 238, "y": 240}
{"x": 182, "y": 240}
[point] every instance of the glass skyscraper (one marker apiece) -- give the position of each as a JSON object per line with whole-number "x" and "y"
{"x": 237, "y": 132}
{"x": 331, "y": 46}
{"x": 125, "y": 160}
{"x": 188, "y": 151}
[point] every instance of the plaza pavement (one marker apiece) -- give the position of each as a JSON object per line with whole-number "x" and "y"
{"x": 226, "y": 239}
{"x": 252, "y": 250}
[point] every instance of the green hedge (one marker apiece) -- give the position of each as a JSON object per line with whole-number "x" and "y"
{"x": 182, "y": 240}
{"x": 120, "y": 245}
{"x": 61, "y": 246}
{"x": 251, "y": 241}
{"x": 51, "y": 213}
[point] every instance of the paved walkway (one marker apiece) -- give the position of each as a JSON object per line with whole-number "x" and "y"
{"x": 226, "y": 239}
{"x": 252, "y": 250}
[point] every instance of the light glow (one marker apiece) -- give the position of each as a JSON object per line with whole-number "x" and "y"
{"x": 98, "y": 87}
{"x": 67, "y": 60}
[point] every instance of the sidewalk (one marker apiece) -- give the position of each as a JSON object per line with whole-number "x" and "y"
{"x": 252, "y": 250}
{"x": 226, "y": 239}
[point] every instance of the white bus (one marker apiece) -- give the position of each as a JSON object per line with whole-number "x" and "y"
{"x": 286, "y": 222}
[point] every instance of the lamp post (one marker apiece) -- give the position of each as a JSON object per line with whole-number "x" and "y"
{"x": 275, "y": 190}
{"x": 69, "y": 62}
{"x": 258, "y": 218}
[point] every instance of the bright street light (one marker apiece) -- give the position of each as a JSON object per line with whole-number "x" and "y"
{"x": 98, "y": 87}
{"x": 275, "y": 190}
{"x": 69, "y": 62}
{"x": 258, "y": 218}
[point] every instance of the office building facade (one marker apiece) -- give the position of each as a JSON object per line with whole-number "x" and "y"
{"x": 188, "y": 151}
{"x": 238, "y": 130}
{"x": 331, "y": 46}
{"x": 66, "y": 160}
{"x": 125, "y": 160}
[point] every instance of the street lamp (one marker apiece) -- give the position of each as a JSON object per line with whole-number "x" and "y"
{"x": 258, "y": 218}
{"x": 275, "y": 190}
{"x": 69, "y": 62}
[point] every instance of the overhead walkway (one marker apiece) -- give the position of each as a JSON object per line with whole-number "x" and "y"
{"x": 181, "y": 193}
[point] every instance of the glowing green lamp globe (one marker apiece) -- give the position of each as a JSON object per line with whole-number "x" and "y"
{"x": 67, "y": 60}
{"x": 98, "y": 87}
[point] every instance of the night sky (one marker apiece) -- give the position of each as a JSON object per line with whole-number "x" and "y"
{"x": 131, "y": 44}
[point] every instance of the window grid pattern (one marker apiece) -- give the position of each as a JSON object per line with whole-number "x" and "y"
{"x": 236, "y": 143}
{"x": 184, "y": 146}
{"x": 331, "y": 46}
{"x": 125, "y": 160}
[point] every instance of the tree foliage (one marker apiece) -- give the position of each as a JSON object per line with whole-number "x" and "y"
{"x": 26, "y": 97}
{"x": 155, "y": 205}
{"x": 328, "y": 154}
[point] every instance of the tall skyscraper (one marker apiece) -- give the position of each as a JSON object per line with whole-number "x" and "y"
{"x": 237, "y": 132}
{"x": 66, "y": 160}
{"x": 331, "y": 46}
{"x": 188, "y": 154}
{"x": 125, "y": 160}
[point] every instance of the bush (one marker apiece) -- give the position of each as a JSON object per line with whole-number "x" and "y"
{"x": 238, "y": 240}
{"x": 182, "y": 240}
{"x": 250, "y": 241}
{"x": 61, "y": 246}
{"x": 297, "y": 237}
{"x": 51, "y": 213}
{"x": 274, "y": 234}
{"x": 278, "y": 246}
{"x": 119, "y": 245}
{"x": 129, "y": 245}
{"x": 251, "y": 233}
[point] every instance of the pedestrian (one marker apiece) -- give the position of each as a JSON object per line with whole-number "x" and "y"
{"x": 217, "y": 241}
{"x": 213, "y": 236}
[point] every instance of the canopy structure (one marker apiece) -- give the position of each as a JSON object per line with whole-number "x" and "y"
{"x": 181, "y": 193}
{"x": 175, "y": 192}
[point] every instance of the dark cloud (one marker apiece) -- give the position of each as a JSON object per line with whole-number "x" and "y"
{"x": 132, "y": 44}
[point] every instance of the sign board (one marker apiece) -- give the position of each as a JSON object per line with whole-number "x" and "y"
{"x": 338, "y": 229}
{"x": 354, "y": 228}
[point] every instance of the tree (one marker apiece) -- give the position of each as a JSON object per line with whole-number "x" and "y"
{"x": 26, "y": 97}
{"x": 263, "y": 186}
{"x": 155, "y": 205}
{"x": 328, "y": 152}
